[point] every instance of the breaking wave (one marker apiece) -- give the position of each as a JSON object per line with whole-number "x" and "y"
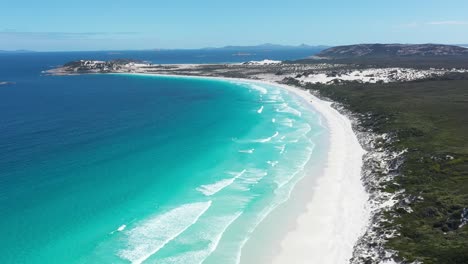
{"x": 259, "y": 88}
{"x": 212, "y": 232}
{"x": 285, "y": 108}
{"x": 263, "y": 140}
{"x": 211, "y": 189}
{"x": 149, "y": 237}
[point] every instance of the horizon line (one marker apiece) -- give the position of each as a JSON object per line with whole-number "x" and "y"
{"x": 224, "y": 47}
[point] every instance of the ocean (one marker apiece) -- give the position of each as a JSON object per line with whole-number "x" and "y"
{"x": 144, "y": 169}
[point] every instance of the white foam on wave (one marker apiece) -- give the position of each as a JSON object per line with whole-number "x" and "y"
{"x": 273, "y": 98}
{"x": 273, "y": 163}
{"x": 301, "y": 161}
{"x": 273, "y": 120}
{"x": 287, "y": 122}
{"x": 211, "y": 189}
{"x": 276, "y": 98}
{"x": 275, "y": 90}
{"x": 281, "y": 148}
{"x": 259, "y": 88}
{"x": 298, "y": 133}
{"x": 283, "y": 191}
{"x": 260, "y": 110}
{"x": 153, "y": 234}
{"x": 237, "y": 174}
{"x": 251, "y": 177}
{"x": 250, "y": 151}
{"x": 213, "y": 233}
{"x": 120, "y": 229}
{"x": 285, "y": 108}
{"x": 281, "y": 195}
{"x": 263, "y": 140}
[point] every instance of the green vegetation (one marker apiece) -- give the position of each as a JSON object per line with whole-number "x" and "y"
{"x": 430, "y": 120}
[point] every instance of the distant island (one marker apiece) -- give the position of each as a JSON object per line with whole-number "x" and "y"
{"x": 269, "y": 46}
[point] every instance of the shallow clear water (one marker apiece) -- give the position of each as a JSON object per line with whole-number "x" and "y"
{"x": 120, "y": 168}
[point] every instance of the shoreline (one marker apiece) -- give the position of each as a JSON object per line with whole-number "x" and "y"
{"x": 338, "y": 212}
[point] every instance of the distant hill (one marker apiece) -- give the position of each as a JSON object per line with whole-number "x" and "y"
{"x": 269, "y": 46}
{"x": 391, "y": 50}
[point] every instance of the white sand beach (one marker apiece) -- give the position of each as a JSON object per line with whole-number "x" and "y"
{"x": 337, "y": 211}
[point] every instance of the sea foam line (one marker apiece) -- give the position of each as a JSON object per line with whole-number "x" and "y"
{"x": 281, "y": 148}
{"x": 282, "y": 194}
{"x": 263, "y": 140}
{"x": 297, "y": 134}
{"x": 285, "y": 108}
{"x": 259, "y": 88}
{"x": 273, "y": 163}
{"x": 120, "y": 229}
{"x": 287, "y": 122}
{"x": 213, "y": 232}
{"x": 211, "y": 189}
{"x": 283, "y": 181}
{"x": 252, "y": 177}
{"x": 215, "y": 242}
{"x": 153, "y": 234}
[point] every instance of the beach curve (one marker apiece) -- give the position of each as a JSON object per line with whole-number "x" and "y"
{"x": 338, "y": 213}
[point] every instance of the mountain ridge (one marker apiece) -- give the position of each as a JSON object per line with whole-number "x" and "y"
{"x": 391, "y": 50}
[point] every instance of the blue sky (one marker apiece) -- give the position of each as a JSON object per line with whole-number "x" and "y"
{"x": 145, "y": 24}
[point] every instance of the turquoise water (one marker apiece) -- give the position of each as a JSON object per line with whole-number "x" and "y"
{"x": 145, "y": 169}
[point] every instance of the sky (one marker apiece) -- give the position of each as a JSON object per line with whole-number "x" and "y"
{"x": 50, "y": 25}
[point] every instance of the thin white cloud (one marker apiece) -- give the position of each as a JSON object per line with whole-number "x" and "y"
{"x": 413, "y": 25}
{"x": 448, "y": 22}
